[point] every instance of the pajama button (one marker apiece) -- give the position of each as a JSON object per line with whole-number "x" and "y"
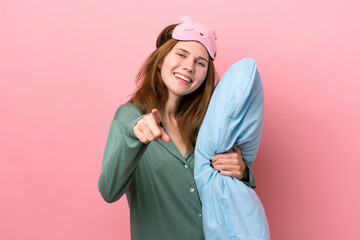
{"x": 192, "y": 189}
{"x": 186, "y": 166}
{"x": 199, "y": 215}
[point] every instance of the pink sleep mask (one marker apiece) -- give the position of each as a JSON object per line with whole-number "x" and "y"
{"x": 192, "y": 31}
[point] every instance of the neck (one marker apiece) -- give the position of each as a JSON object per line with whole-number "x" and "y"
{"x": 171, "y": 108}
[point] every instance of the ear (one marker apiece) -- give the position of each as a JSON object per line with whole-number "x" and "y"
{"x": 159, "y": 66}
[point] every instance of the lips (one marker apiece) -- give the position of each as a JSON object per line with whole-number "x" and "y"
{"x": 183, "y": 77}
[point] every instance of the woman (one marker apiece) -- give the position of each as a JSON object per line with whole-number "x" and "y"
{"x": 149, "y": 150}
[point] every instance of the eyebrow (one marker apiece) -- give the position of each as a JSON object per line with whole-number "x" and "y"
{"x": 189, "y": 53}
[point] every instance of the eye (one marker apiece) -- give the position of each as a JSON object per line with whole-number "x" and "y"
{"x": 201, "y": 64}
{"x": 180, "y": 54}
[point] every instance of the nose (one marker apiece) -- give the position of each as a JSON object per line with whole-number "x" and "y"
{"x": 189, "y": 65}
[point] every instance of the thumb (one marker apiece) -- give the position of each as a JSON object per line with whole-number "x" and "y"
{"x": 236, "y": 149}
{"x": 164, "y": 136}
{"x": 156, "y": 115}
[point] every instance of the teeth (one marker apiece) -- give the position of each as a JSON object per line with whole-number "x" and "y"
{"x": 182, "y": 77}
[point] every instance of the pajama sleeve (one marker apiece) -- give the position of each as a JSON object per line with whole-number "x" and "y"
{"x": 122, "y": 154}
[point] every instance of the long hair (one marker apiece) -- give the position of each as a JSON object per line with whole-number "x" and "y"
{"x": 153, "y": 93}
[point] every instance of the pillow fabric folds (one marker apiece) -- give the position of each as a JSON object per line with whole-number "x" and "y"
{"x": 230, "y": 209}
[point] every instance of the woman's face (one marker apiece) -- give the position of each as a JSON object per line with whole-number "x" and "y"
{"x": 184, "y": 68}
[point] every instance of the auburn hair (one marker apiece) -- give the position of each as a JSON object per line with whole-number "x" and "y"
{"x": 153, "y": 93}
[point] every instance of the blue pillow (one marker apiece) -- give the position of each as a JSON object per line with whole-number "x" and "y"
{"x": 230, "y": 209}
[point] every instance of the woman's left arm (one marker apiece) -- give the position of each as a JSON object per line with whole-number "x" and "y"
{"x": 232, "y": 164}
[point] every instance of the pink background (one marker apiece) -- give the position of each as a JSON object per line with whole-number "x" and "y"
{"x": 66, "y": 65}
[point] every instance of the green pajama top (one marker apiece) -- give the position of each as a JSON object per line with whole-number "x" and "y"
{"x": 158, "y": 182}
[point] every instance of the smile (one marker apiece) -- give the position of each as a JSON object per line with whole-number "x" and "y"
{"x": 183, "y": 77}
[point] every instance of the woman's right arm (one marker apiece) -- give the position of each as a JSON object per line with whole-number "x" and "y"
{"x": 124, "y": 149}
{"x": 122, "y": 154}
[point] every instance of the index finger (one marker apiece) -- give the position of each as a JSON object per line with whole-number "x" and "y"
{"x": 223, "y": 156}
{"x": 157, "y": 116}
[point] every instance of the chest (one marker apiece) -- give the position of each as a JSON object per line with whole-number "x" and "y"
{"x": 174, "y": 133}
